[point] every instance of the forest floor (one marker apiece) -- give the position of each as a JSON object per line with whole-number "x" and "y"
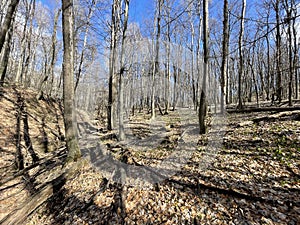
{"x": 245, "y": 170}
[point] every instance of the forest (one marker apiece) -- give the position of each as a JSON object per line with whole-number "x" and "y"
{"x": 150, "y": 112}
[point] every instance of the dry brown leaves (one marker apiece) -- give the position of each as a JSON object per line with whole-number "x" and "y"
{"x": 253, "y": 178}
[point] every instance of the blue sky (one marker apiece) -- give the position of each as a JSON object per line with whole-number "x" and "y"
{"x": 139, "y": 9}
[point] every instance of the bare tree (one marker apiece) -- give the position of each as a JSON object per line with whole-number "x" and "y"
{"x": 82, "y": 54}
{"x": 68, "y": 81}
{"x": 241, "y": 58}
{"x": 291, "y": 12}
{"x": 278, "y": 52}
{"x": 25, "y": 41}
{"x": 50, "y": 71}
{"x": 7, "y": 21}
{"x": 203, "y": 105}
{"x": 4, "y": 56}
{"x": 225, "y": 47}
{"x": 112, "y": 90}
{"x": 156, "y": 58}
{"x": 121, "y": 73}
{"x": 296, "y": 56}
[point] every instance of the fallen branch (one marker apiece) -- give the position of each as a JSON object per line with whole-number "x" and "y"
{"x": 274, "y": 117}
{"x": 231, "y": 192}
{"x": 42, "y": 162}
{"x": 19, "y": 215}
{"x": 47, "y": 190}
{"x": 266, "y": 109}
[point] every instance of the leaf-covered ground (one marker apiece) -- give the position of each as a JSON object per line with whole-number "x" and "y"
{"x": 252, "y": 175}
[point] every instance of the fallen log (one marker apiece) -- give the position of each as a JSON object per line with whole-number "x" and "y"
{"x": 46, "y": 191}
{"x": 277, "y": 116}
{"x": 265, "y": 109}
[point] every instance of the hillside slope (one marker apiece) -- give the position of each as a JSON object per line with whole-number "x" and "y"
{"x": 33, "y": 127}
{"x": 252, "y": 176}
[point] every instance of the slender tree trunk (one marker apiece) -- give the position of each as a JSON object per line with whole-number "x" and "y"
{"x": 291, "y": 13}
{"x": 156, "y": 60}
{"x": 168, "y": 69}
{"x": 54, "y": 52}
{"x": 68, "y": 81}
{"x": 28, "y": 59}
{"x": 24, "y": 44}
{"x": 175, "y": 76}
{"x": 296, "y": 57}
{"x": 203, "y": 105}
{"x": 90, "y": 13}
{"x": 278, "y": 52}
{"x": 5, "y": 54}
{"x": 290, "y": 44}
{"x": 7, "y": 21}
{"x": 193, "y": 80}
{"x": 49, "y": 70}
{"x": 225, "y": 47}
{"x": 251, "y": 62}
{"x": 198, "y": 56}
{"x": 241, "y": 60}
{"x": 122, "y": 70}
{"x": 112, "y": 90}
{"x": 268, "y": 62}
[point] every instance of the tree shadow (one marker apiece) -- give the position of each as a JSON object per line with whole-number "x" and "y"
{"x": 239, "y": 194}
{"x": 27, "y": 137}
{"x": 45, "y": 140}
{"x": 87, "y": 210}
{"x": 22, "y": 115}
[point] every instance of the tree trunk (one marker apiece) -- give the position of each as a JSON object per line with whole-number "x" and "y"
{"x": 225, "y": 46}
{"x": 122, "y": 70}
{"x": 5, "y": 54}
{"x": 296, "y": 57}
{"x": 28, "y": 59}
{"x": 20, "y": 76}
{"x": 112, "y": 90}
{"x": 156, "y": 60}
{"x": 54, "y": 52}
{"x": 7, "y": 21}
{"x": 289, "y": 8}
{"x": 278, "y": 52}
{"x": 290, "y": 44}
{"x": 90, "y": 13}
{"x": 241, "y": 60}
{"x": 175, "y": 76}
{"x": 168, "y": 68}
{"x": 50, "y": 71}
{"x": 203, "y": 106}
{"x": 68, "y": 81}
{"x": 268, "y": 89}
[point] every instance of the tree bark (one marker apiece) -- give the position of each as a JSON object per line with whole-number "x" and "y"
{"x": 168, "y": 68}
{"x": 29, "y": 56}
{"x": 121, "y": 74}
{"x": 296, "y": 57}
{"x": 7, "y": 21}
{"x": 112, "y": 90}
{"x": 203, "y": 106}
{"x": 225, "y": 47}
{"x": 278, "y": 52}
{"x": 241, "y": 60}
{"x": 156, "y": 60}
{"x": 68, "y": 81}
{"x": 5, "y": 54}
